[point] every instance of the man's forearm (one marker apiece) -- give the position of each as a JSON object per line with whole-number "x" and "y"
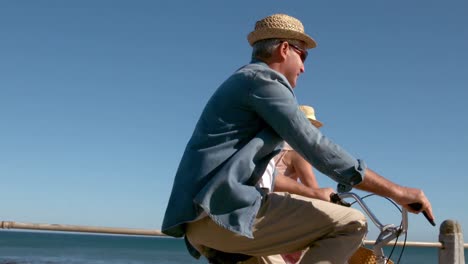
{"x": 377, "y": 184}
{"x": 405, "y": 196}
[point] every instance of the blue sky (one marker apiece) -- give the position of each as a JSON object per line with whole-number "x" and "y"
{"x": 98, "y": 99}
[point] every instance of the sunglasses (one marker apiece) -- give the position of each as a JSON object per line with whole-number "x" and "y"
{"x": 302, "y": 52}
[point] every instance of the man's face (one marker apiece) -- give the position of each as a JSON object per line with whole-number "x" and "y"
{"x": 294, "y": 64}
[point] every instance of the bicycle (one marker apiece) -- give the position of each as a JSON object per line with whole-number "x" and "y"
{"x": 388, "y": 232}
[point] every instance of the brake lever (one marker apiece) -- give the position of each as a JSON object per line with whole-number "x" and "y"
{"x": 417, "y": 207}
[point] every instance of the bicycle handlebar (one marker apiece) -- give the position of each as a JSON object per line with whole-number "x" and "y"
{"x": 338, "y": 199}
{"x": 366, "y": 209}
{"x": 387, "y": 232}
{"x": 417, "y": 207}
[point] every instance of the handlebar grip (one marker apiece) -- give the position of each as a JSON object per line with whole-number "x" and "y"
{"x": 335, "y": 198}
{"x": 417, "y": 207}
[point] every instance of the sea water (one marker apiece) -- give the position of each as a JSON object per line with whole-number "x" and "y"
{"x": 53, "y": 248}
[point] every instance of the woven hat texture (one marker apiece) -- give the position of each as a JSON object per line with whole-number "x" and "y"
{"x": 280, "y": 26}
{"x": 365, "y": 256}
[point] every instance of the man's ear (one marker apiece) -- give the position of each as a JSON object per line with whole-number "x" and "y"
{"x": 282, "y": 51}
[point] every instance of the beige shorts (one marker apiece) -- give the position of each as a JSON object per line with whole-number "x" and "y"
{"x": 287, "y": 223}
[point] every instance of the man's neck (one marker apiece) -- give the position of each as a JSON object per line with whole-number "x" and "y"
{"x": 271, "y": 62}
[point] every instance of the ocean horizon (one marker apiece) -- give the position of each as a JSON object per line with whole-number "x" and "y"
{"x": 30, "y": 247}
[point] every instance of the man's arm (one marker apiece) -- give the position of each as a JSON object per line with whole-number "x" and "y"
{"x": 277, "y": 106}
{"x": 404, "y": 196}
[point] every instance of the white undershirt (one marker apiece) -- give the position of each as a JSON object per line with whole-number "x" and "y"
{"x": 266, "y": 181}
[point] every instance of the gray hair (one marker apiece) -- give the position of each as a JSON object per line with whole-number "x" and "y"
{"x": 264, "y": 48}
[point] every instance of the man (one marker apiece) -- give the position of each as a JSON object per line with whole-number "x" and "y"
{"x": 215, "y": 202}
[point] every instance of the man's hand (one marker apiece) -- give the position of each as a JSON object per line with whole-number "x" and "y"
{"x": 415, "y": 201}
{"x": 404, "y": 196}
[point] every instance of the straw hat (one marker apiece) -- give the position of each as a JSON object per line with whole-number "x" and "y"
{"x": 310, "y": 114}
{"x": 280, "y": 26}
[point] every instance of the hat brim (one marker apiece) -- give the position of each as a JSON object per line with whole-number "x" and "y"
{"x": 316, "y": 123}
{"x": 269, "y": 33}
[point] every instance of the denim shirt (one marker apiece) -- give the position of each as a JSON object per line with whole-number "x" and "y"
{"x": 240, "y": 129}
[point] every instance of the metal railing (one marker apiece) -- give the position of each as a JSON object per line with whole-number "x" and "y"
{"x": 78, "y": 228}
{"x": 450, "y": 247}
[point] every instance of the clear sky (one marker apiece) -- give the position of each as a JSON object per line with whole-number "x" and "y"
{"x": 99, "y": 98}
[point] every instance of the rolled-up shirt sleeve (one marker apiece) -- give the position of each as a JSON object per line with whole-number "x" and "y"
{"x": 273, "y": 100}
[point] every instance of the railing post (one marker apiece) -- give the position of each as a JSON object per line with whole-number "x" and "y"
{"x": 451, "y": 237}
